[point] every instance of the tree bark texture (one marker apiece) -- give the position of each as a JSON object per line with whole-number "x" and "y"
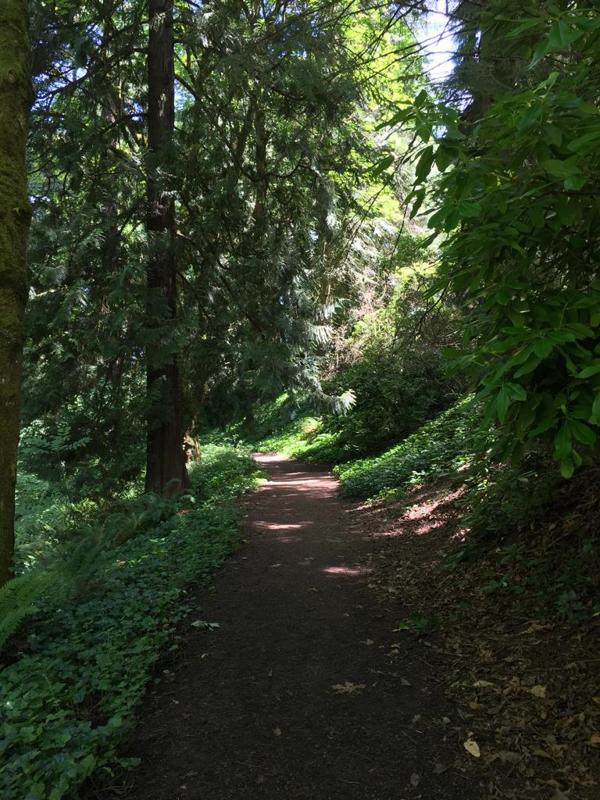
{"x": 15, "y": 215}
{"x": 165, "y": 460}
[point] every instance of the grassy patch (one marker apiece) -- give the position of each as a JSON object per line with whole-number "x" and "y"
{"x": 70, "y": 690}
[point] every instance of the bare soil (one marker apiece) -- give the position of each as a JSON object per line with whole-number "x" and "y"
{"x": 301, "y": 692}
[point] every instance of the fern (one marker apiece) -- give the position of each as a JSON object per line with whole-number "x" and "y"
{"x": 18, "y": 601}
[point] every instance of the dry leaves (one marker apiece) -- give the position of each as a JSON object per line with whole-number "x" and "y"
{"x": 538, "y": 691}
{"x": 525, "y": 680}
{"x": 472, "y": 747}
{"x": 348, "y": 688}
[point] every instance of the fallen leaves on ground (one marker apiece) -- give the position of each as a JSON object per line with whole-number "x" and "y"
{"x": 525, "y": 682}
{"x": 472, "y": 747}
{"x": 204, "y": 625}
{"x": 348, "y": 688}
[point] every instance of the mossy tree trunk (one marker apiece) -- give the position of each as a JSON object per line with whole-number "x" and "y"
{"x": 15, "y": 214}
{"x": 165, "y": 458}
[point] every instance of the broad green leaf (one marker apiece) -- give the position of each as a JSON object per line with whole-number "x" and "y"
{"x": 516, "y": 392}
{"x": 400, "y": 116}
{"x": 563, "y": 443}
{"x": 582, "y": 331}
{"x": 469, "y": 208}
{"x": 562, "y": 169}
{"x": 543, "y": 348}
{"x": 504, "y": 295}
{"x": 418, "y": 198}
{"x": 590, "y": 371}
{"x": 382, "y": 165}
{"x": 575, "y": 182}
{"x": 552, "y": 135}
{"x": 539, "y": 53}
{"x": 444, "y": 156}
{"x": 567, "y": 468}
{"x": 585, "y": 143}
{"x": 582, "y": 432}
{"x": 425, "y": 163}
{"x": 437, "y": 220}
{"x": 528, "y": 367}
{"x": 562, "y": 35}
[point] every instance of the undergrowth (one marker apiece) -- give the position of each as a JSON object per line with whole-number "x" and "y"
{"x": 441, "y": 447}
{"x": 97, "y": 625}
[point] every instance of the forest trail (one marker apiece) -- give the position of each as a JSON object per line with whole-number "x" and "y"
{"x": 294, "y": 696}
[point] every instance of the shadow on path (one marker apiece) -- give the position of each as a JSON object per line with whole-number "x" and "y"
{"x": 250, "y": 710}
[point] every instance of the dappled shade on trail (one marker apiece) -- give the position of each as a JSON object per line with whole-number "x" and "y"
{"x": 294, "y": 695}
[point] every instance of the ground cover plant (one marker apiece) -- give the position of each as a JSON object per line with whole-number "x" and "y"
{"x": 72, "y": 678}
{"x": 442, "y": 447}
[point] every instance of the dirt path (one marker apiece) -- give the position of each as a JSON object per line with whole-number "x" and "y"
{"x": 250, "y": 710}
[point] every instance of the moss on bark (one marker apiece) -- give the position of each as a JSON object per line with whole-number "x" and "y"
{"x": 15, "y": 100}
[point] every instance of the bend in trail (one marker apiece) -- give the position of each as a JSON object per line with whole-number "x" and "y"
{"x": 294, "y": 695}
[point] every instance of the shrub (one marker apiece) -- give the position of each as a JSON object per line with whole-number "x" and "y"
{"x": 440, "y": 447}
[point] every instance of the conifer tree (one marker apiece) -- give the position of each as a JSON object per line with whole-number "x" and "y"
{"x": 165, "y": 465}
{"x": 15, "y": 99}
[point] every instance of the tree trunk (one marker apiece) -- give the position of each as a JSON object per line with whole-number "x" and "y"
{"x": 165, "y": 460}
{"x": 15, "y": 214}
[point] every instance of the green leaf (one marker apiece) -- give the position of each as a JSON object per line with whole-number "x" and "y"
{"x": 575, "y": 182}
{"x": 516, "y": 392}
{"x": 559, "y": 168}
{"x": 444, "y": 156}
{"x": 585, "y": 143}
{"x": 538, "y": 54}
{"x": 563, "y": 443}
{"x": 418, "y": 197}
{"x": 543, "y": 348}
{"x": 425, "y": 163}
{"x": 504, "y": 295}
{"x": 546, "y": 418}
{"x": 562, "y": 35}
{"x": 400, "y": 116}
{"x": 552, "y": 135}
{"x": 595, "y": 418}
{"x": 469, "y": 208}
{"x": 525, "y": 25}
{"x": 528, "y": 367}
{"x": 588, "y": 372}
{"x": 420, "y": 99}
{"x": 502, "y": 404}
{"x": 382, "y": 165}
{"x": 567, "y": 468}
{"x": 438, "y": 219}
{"x": 582, "y": 432}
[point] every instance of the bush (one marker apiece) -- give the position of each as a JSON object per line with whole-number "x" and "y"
{"x": 395, "y": 393}
{"x": 441, "y": 447}
{"x": 223, "y": 471}
{"x": 518, "y": 213}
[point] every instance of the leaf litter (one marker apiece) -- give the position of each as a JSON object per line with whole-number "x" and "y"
{"x": 526, "y": 682}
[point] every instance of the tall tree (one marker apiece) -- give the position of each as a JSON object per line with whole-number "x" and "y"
{"x": 165, "y": 463}
{"x": 15, "y": 100}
